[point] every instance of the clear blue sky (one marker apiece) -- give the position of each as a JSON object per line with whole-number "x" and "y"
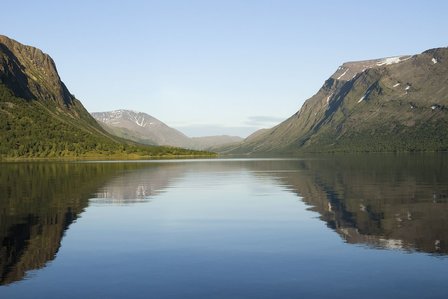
{"x": 216, "y": 67}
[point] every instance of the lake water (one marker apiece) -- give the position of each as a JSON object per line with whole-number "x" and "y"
{"x": 362, "y": 226}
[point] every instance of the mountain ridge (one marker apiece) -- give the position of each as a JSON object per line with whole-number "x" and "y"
{"x": 390, "y": 104}
{"x": 144, "y": 128}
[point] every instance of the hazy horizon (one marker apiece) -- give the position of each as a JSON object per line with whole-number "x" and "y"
{"x": 208, "y": 68}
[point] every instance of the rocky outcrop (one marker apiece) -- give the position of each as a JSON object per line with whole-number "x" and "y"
{"x": 31, "y": 74}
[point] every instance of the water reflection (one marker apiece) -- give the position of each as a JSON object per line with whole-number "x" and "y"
{"x": 38, "y": 202}
{"x": 138, "y": 186}
{"x": 384, "y": 201}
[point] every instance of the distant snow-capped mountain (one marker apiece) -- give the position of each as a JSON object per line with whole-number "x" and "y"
{"x": 144, "y": 128}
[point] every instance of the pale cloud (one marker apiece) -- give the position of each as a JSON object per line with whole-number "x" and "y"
{"x": 263, "y": 121}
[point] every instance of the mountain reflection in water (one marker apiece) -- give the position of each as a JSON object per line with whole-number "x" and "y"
{"x": 138, "y": 186}
{"x": 38, "y": 202}
{"x": 382, "y": 201}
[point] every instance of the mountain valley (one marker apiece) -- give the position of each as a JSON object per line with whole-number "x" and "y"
{"x": 146, "y": 129}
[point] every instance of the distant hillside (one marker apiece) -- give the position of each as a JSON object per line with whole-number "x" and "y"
{"x": 146, "y": 129}
{"x": 40, "y": 118}
{"x": 140, "y": 127}
{"x": 211, "y": 142}
{"x": 390, "y": 104}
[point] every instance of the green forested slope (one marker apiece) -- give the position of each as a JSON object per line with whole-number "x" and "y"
{"x": 32, "y": 129}
{"x": 39, "y": 118}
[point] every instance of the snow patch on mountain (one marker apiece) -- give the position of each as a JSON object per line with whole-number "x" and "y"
{"x": 343, "y": 74}
{"x": 392, "y": 60}
{"x": 388, "y": 61}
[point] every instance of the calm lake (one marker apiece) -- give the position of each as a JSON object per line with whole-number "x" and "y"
{"x": 359, "y": 226}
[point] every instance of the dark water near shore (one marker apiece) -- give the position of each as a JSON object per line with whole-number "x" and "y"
{"x": 360, "y": 226}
